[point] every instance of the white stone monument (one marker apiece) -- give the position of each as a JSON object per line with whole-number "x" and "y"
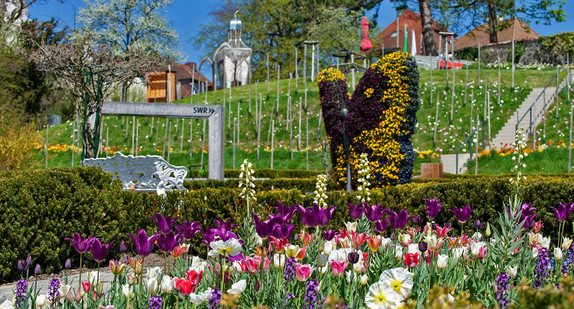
{"x": 233, "y": 58}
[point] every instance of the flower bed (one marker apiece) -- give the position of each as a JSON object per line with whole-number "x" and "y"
{"x": 294, "y": 256}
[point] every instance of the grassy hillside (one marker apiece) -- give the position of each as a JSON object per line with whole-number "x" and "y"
{"x": 171, "y": 137}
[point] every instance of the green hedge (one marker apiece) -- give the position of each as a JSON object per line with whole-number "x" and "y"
{"x": 263, "y": 173}
{"x": 38, "y": 209}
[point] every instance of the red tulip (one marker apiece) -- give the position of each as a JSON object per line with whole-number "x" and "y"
{"x": 184, "y": 286}
{"x": 86, "y": 285}
{"x": 194, "y": 276}
{"x": 303, "y": 271}
{"x": 411, "y": 260}
{"x": 252, "y": 263}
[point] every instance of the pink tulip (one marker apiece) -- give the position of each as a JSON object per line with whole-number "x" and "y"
{"x": 303, "y": 271}
{"x": 252, "y": 264}
{"x": 338, "y": 267}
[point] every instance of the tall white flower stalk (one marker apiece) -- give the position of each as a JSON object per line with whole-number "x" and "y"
{"x": 364, "y": 176}
{"x": 518, "y": 157}
{"x": 320, "y": 189}
{"x": 246, "y": 183}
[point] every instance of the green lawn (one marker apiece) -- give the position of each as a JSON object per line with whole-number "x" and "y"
{"x": 153, "y": 134}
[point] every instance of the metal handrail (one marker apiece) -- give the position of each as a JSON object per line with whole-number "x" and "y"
{"x": 470, "y": 147}
{"x": 529, "y": 111}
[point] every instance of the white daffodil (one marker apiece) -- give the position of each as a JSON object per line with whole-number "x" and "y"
{"x": 201, "y": 297}
{"x": 399, "y": 280}
{"x": 238, "y": 287}
{"x": 381, "y": 297}
{"x": 230, "y": 247}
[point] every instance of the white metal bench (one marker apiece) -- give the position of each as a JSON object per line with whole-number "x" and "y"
{"x": 142, "y": 173}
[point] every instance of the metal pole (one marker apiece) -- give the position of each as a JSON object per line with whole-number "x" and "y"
{"x": 476, "y": 161}
{"x": 571, "y": 111}
{"x": 272, "y": 139}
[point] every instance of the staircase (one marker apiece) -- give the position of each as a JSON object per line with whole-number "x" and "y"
{"x": 505, "y": 137}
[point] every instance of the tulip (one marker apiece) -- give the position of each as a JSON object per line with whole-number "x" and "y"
{"x": 381, "y": 225}
{"x": 185, "y": 287}
{"x": 166, "y": 284}
{"x": 99, "y": 250}
{"x": 558, "y": 254}
{"x": 144, "y": 244}
{"x": 222, "y": 232}
{"x": 442, "y": 261}
{"x": 164, "y": 225}
{"x": 358, "y": 267}
{"x": 374, "y": 243}
{"x": 264, "y": 228}
{"x": 188, "y": 230}
{"x": 152, "y": 285}
{"x": 358, "y": 239}
{"x": 301, "y": 253}
{"x": 194, "y": 276}
{"x": 356, "y": 211}
{"x": 124, "y": 247}
{"x": 338, "y": 267}
{"x": 353, "y": 257}
{"x": 364, "y": 279}
{"x": 411, "y": 260}
{"x": 136, "y": 265}
{"x": 433, "y": 207}
{"x": 329, "y": 235}
{"x": 252, "y": 263}
{"x": 566, "y": 243}
{"x": 303, "y": 271}
{"x": 81, "y": 244}
{"x": 127, "y": 291}
{"x": 563, "y": 211}
{"x": 442, "y": 231}
{"x": 41, "y": 300}
{"x": 86, "y": 285}
{"x": 278, "y": 260}
{"x": 398, "y": 221}
{"x": 423, "y": 246}
{"x": 286, "y": 213}
{"x": 37, "y": 270}
{"x": 418, "y": 220}
{"x": 179, "y": 251}
{"x": 166, "y": 241}
{"x": 315, "y": 216}
{"x": 117, "y": 267}
{"x": 374, "y": 213}
{"x": 291, "y": 250}
{"x": 350, "y": 226}
{"x": 63, "y": 290}
{"x": 322, "y": 260}
{"x": 68, "y": 264}
{"x": 462, "y": 214}
{"x": 512, "y": 271}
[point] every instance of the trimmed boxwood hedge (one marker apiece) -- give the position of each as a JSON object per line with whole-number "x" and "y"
{"x": 38, "y": 209}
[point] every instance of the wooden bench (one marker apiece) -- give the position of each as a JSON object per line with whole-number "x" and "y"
{"x": 142, "y": 173}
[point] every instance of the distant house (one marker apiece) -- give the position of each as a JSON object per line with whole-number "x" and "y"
{"x": 388, "y": 37}
{"x": 508, "y": 27}
{"x": 179, "y": 81}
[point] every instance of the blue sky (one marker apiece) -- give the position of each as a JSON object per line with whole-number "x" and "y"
{"x": 188, "y": 15}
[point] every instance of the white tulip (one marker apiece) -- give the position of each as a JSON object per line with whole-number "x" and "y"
{"x": 279, "y": 260}
{"x": 558, "y": 254}
{"x": 238, "y": 287}
{"x": 127, "y": 291}
{"x": 364, "y": 279}
{"x": 512, "y": 271}
{"x": 152, "y": 285}
{"x": 166, "y": 284}
{"x": 41, "y": 300}
{"x": 442, "y": 261}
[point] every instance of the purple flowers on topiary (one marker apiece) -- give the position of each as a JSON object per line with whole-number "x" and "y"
{"x": 312, "y": 298}
{"x": 502, "y": 289}
{"x": 20, "y": 294}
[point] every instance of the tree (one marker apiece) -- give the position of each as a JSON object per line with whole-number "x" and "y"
{"x": 427, "y": 26}
{"x": 463, "y": 15}
{"x": 92, "y": 71}
{"x": 127, "y": 24}
{"x": 278, "y": 27}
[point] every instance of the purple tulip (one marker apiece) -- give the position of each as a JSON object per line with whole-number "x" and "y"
{"x": 283, "y": 230}
{"x": 99, "y": 250}
{"x": 68, "y": 264}
{"x": 315, "y": 216}
{"x": 417, "y": 220}
{"x": 353, "y": 257}
{"x": 398, "y": 221}
{"x": 433, "y": 207}
{"x": 21, "y": 265}
{"x": 264, "y": 228}
{"x": 81, "y": 244}
{"x": 356, "y": 211}
{"x": 144, "y": 244}
{"x": 166, "y": 242}
{"x": 285, "y": 212}
{"x": 374, "y": 213}
{"x": 37, "y": 270}
{"x": 164, "y": 225}
{"x": 188, "y": 230}
{"x": 124, "y": 246}
{"x": 462, "y": 214}
{"x": 329, "y": 235}
{"x": 223, "y": 232}
{"x": 382, "y": 225}
{"x": 563, "y": 211}
{"x": 423, "y": 246}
